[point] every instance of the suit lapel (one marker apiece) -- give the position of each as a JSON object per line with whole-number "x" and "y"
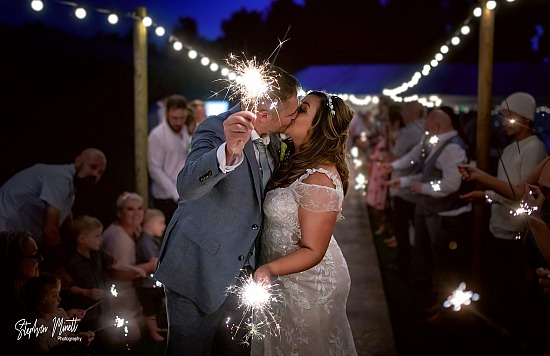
{"x": 274, "y": 148}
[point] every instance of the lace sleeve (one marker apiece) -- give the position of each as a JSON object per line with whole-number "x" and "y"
{"x": 318, "y": 198}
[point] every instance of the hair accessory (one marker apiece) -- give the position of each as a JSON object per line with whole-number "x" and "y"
{"x": 330, "y": 105}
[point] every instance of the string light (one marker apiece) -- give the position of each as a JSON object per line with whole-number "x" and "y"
{"x": 394, "y": 94}
{"x": 455, "y": 40}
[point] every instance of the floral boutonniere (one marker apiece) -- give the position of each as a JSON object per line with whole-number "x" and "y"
{"x": 286, "y": 149}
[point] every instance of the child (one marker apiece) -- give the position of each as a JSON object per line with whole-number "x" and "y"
{"x": 147, "y": 250}
{"x": 87, "y": 265}
{"x": 41, "y": 295}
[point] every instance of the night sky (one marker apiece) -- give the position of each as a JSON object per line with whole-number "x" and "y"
{"x": 208, "y": 13}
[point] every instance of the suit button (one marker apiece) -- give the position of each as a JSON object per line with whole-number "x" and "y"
{"x": 250, "y": 254}
{"x": 241, "y": 257}
{"x": 255, "y": 227}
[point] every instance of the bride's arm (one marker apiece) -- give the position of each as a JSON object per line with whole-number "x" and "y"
{"x": 316, "y": 227}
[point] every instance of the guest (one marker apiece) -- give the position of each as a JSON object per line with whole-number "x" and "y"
{"x": 199, "y": 109}
{"x": 212, "y": 236}
{"x": 41, "y": 294}
{"x": 150, "y": 295}
{"x": 119, "y": 241}
{"x": 302, "y": 205}
{"x": 39, "y": 199}
{"x": 88, "y": 267}
{"x": 402, "y": 200}
{"x": 503, "y": 279}
{"x": 168, "y": 147}
{"x": 20, "y": 262}
{"x": 442, "y": 254}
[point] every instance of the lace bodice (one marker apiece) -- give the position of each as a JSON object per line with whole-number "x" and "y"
{"x": 281, "y": 209}
{"x": 311, "y": 309}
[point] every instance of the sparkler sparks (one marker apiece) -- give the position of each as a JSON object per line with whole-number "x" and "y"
{"x": 254, "y": 298}
{"x": 114, "y": 293}
{"x": 119, "y": 323}
{"x": 436, "y": 185}
{"x": 460, "y": 297}
{"x": 524, "y": 208}
{"x": 253, "y": 82}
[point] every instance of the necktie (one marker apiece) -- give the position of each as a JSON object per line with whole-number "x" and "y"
{"x": 264, "y": 161}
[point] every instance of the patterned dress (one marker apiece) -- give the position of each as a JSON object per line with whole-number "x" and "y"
{"x": 311, "y": 305}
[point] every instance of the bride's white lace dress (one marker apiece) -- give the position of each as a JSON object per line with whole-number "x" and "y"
{"x": 311, "y": 311}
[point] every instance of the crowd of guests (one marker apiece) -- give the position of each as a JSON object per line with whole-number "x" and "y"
{"x": 421, "y": 196}
{"x": 423, "y": 192}
{"x": 78, "y": 286}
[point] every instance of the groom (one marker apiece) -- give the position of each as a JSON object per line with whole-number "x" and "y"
{"x": 212, "y": 235}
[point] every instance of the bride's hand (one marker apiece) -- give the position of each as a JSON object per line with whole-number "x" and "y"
{"x": 262, "y": 275}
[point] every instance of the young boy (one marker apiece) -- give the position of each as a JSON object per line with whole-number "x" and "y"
{"x": 147, "y": 250}
{"x": 87, "y": 266}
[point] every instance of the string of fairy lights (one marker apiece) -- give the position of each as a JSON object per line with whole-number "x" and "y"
{"x": 396, "y": 94}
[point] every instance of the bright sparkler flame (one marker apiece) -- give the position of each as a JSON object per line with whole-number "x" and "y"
{"x": 360, "y": 181}
{"x": 436, "y": 185}
{"x": 524, "y": 208}
{"x": 253, "y": 82}
{"x": 460, "y": 297}
{"x": 255, "y": 298}
{"x": 113, "y": 291}
{"x": 433, "y": 140}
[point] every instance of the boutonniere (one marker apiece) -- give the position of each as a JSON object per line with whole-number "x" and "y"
{"x": 285, "y": 149}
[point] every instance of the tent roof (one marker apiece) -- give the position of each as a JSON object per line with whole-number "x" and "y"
{"x": 447, "y": 79}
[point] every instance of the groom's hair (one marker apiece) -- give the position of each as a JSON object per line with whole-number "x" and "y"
{"x": 287, "y": 85}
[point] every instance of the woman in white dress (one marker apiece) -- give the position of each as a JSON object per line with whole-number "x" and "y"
{"x": 299, "y": 255}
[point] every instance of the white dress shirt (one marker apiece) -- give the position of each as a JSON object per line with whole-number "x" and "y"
{"x": 166, "y": 157}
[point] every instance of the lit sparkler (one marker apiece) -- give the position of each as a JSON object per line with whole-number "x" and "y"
{"x": 253, "y": 82}
{"x": 436, "y": 185}
{"x": 460, "y": 297}
{"x": 119, "y": 323}
{"x": 114, "y": 293}
{"x": 360, "y": 182}
{"x": 254, "y": 298}
{"x": 524, "y": 208}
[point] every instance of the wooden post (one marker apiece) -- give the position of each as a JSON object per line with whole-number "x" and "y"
{"x": 484, "y": 104}
{"x": 140, "y": 106}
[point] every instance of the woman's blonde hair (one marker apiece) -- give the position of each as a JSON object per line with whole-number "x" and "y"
{"x": 325, "y": 144}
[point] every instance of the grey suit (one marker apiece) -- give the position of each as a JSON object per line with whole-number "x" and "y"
{"x": 207, "y": 242}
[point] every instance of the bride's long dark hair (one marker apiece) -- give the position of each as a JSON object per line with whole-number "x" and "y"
{"x": 326, "y": 144}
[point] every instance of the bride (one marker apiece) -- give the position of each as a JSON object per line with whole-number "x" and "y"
{"x": 298, "y": 252}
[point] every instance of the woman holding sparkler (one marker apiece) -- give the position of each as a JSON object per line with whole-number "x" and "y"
{"x": 302, "y": 205}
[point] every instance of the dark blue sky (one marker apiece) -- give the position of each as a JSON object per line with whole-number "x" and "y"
{"x": 207, "y": 13}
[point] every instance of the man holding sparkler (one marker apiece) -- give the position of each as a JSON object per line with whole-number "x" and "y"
{"x": 503, "y": 277}
{"x": 442, "y": 250}
{"x": 212, "y": 236}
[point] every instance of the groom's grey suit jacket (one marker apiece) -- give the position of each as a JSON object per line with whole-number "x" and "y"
{"x": 217, "y": 221}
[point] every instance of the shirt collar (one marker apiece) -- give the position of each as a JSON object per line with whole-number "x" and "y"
{"x": 254, "y": 136}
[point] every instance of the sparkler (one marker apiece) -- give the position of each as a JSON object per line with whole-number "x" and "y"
{"x": 254, "y": 298}
{"x": 462, "y": 297}
{"x": 119, "y": 323}
{"x": 114, "y": 293}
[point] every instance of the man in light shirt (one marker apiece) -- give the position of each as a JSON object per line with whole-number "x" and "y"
{"x": 168, "y": 148}
{"x": 443, "y": 222}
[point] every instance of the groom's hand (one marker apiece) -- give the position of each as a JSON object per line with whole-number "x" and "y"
{"x": 237, "y": 129}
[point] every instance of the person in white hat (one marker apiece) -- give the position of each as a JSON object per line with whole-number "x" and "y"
{"x": 503, "y": 271}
